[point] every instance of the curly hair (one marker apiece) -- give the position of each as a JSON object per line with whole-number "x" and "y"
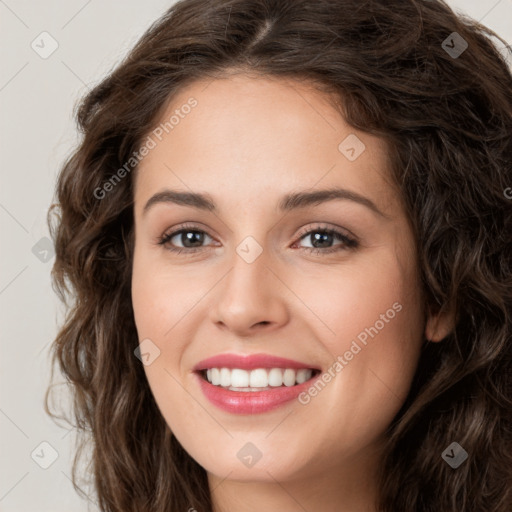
{"x": 447, "y": 120}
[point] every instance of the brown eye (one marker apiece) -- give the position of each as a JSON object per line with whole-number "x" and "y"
{"x": 321, "y": 239}
{"x": 191, "y": 238}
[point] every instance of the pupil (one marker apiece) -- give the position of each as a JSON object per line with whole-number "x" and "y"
{"x": 191, "y": 235}
{"x": 320, "y": 235}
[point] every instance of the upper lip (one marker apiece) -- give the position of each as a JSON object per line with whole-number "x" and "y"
{"x": 250, "y": 362}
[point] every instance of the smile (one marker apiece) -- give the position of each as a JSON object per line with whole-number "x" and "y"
{"x": 258, "y": 379}
{"x": 253, "y": 383}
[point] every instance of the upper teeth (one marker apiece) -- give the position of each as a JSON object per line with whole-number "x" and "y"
{"x": 257, "y": 378}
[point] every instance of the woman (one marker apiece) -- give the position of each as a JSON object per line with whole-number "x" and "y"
{"x": 219, "y": 364}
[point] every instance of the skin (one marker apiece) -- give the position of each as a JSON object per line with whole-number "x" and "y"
{"x": 248, "y": 142}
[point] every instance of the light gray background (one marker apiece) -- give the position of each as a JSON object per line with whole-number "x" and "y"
{"x": 37, "y": 132}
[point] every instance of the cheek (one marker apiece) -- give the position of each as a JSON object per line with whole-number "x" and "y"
{"x": 378, "y": 293}
{"x": 372, "y": 317}
{"x": 161, "y": 295}
{"x": 158, "y": 305}
{"x": 163, "y": 302}
{"x": 376, "y": 323}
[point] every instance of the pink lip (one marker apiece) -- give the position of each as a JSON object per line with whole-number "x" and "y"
{"x": 250, "y": 402}
{"x": 250, "y": 362}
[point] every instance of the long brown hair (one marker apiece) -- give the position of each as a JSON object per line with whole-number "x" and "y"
{"x": 441, "y": 101}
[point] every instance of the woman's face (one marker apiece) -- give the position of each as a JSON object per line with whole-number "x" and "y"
{"x": 247, "y": 282}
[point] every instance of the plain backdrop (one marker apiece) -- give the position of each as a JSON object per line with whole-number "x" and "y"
{"x": 38, "y": 94}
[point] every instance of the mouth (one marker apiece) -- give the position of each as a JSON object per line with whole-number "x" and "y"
{"x": 255, "y": 383}
{"x": 257, "y": 379}
{"x": 254, "y": 391}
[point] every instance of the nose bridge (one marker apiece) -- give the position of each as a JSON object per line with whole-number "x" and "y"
{"x": 250, "y": 293}
{"x": 249, "y": 266}
{"x": 251, "y": 253}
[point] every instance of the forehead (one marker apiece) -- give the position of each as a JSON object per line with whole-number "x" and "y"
{"x": 254, "y": 137}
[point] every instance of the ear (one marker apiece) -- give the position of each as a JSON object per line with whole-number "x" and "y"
{"x": 439, "y": 325}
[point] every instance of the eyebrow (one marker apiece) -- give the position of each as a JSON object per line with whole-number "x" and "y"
{"x": 292, "y": 201}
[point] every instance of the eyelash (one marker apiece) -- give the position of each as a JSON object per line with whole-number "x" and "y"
{"x": 348, "y": 243}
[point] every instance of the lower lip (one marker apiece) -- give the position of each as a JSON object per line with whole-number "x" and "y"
{"x": 251, "y": 402}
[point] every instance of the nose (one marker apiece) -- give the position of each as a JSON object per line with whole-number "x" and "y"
{"x": 250, "y": 298}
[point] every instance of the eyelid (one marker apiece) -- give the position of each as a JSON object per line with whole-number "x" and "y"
{"x": 186, "y": 226}
{"x": 303, "y": 231}
{"x": 328, "y": 227}
{"x": 349, "y": 240}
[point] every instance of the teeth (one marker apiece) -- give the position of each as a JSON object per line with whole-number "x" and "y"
{"x": 289, "y": 377}
{"x": 275, "y": 377}
{"x": 258, "y": 378}
{"x": 303, "y": 375}
{"x": 225, "y": 377}
{"x": 239, "y": 378}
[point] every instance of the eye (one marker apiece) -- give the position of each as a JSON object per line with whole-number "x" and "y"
{"x": 195, "y": 237}
{"x": 320, "y": 238}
